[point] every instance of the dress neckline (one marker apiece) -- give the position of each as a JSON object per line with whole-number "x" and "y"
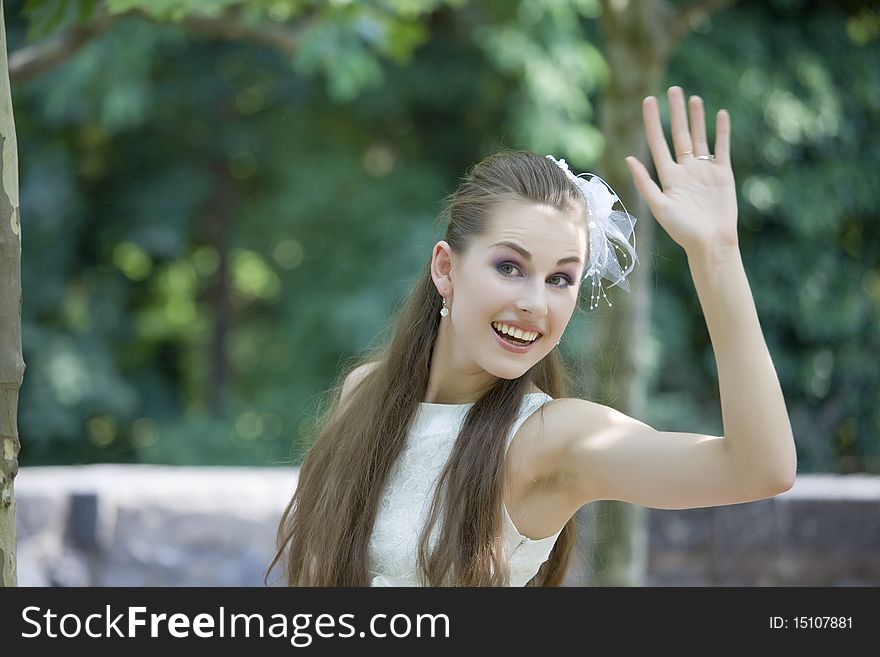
{"x": 442, "y": 406}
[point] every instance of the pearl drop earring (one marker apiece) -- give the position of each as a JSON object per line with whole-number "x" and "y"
{"x": 444, "y": 311}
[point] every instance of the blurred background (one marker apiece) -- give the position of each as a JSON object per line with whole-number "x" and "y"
{"x": 223, "y": 201}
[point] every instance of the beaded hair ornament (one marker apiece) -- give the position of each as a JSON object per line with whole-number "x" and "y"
{"x": 607, "y": 230}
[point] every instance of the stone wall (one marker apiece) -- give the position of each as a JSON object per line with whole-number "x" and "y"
{"x": 825, "y": 531}
{"x": 142, "y": 525}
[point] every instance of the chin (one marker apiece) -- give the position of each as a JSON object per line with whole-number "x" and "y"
{"x": 508, "y": 373}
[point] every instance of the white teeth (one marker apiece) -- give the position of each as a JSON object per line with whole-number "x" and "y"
{"x": 531, "y": 336}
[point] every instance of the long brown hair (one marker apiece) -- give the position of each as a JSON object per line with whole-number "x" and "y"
{"x": 324, "y": 534}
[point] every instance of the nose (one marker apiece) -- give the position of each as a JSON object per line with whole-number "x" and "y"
{"x": 533, "y": 300}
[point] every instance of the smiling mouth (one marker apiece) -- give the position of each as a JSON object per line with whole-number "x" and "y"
{"x": 513, "y": 340}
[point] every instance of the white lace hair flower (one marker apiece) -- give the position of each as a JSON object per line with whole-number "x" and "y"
{"x": 607, "y": 230}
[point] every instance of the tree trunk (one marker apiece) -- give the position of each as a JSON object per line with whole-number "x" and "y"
{"x": 11, "y": 358}
{"x": 639, "y": 39}
{"x": 635, "y": 47}
{"x": 217, "y": 231}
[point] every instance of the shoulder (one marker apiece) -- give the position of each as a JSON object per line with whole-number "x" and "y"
{"x": 570, "y": 433}
{"x": 354, "y": 377}
{"x": 544, "y": 441}
{"x": 566, "y": 418}
{"x": 562, "y": 419}
{"x": 543, "y": 493}
{"x": 554, "y": 423}
{"x": 570, "y": 414}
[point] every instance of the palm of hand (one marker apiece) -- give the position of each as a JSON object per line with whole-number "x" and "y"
{"x": 697, "y": 203}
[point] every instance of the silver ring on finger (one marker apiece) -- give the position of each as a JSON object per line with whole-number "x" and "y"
{"x": 705, "y": 157}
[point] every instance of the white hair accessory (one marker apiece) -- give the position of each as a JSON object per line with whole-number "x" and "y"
{"x": 607, "y": 229}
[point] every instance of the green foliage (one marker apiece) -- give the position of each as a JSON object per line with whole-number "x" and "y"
{"x": 109, "y": 89}
{"x": 336, "y": 51}
{"x": 47, "y": 16}
{"x": 801, "y": 92}
{"x": 543, "y": 46}
{"x": 173, "y": 10}
{"x": 129, "y": 267}
{"x": 211, "y": 228}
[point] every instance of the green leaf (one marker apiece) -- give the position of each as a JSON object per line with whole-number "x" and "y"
{"x": 48, "y": 16}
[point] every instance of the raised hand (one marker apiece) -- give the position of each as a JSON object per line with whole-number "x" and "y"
{"x": 697, "y": 202}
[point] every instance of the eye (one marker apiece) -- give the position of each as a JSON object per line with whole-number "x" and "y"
{"x": 506, "y": 264}
{"x": 567, "y": 282}
{"x": 564, "y": 278}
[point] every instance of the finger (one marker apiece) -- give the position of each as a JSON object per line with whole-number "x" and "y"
{"x": 722, "y": 136}
{"x": 646, "y": 186}
{"x": 656, "y": 139}
{"x": 698, "y": 126}
{"x": 681, "y": 137}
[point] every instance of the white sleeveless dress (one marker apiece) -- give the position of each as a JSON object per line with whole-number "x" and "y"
{"x": 404, "y": 507}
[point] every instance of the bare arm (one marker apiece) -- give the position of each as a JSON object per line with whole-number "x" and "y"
{"x": 618, "y": 457}
{"x": 756, "y": 425}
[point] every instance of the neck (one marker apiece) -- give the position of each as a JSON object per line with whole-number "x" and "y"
{"x": 454, "y": 379}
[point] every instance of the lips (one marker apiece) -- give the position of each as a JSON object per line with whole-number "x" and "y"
{"x": 529, "y": 334}
{"x": 510, "y": 346}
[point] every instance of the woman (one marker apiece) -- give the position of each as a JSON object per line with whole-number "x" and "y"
{"x": 433, "y": 467}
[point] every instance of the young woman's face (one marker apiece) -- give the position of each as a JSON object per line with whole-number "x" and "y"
{"x": 530, "y": 281}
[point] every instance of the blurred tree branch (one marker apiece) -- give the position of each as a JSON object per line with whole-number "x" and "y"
{"x": 231, "y": 28}
{"x": 38, "y": 58}
{"x": 41, "y": 57}
{"x": 640, "y": 40}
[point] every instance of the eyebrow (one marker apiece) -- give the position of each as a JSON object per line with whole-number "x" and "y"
{"x": 528, "y": 256}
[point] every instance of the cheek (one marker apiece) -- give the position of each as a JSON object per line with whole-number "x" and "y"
{"x": 474, "y": 310}
{"x": 563, "y": 310}
{"x": 490, "y": 292}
